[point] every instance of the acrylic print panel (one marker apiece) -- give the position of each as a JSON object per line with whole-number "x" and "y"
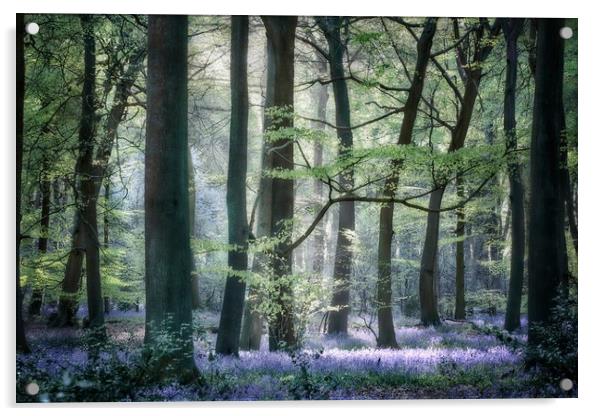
{"x": 295, "y": 208}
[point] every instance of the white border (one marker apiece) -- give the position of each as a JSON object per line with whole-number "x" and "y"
{"x": 590, "y": 154}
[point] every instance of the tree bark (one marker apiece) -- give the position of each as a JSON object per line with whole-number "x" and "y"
{"x": 386, "y": 329}
{"x": 339, "y": 314}
{"x": 228, "y": 337}
{"x": 281, "y": 43}
{"x": 512, "y": 29}
{"x": 167, "y": 221}
{"x": 546, "y": 213}
{"x": 429, "y": 315}
{"x": 21, "y": 340}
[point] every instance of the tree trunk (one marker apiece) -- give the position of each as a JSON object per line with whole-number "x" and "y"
{"x": 429, "y": 315}
{"x": 281, "y": 43}
{"x": 228, "y": 337}
{"x": 21, "y": 341}
{"x": 546, "y": 213}
{"x": 512, "y": 29}
{"x": 194, "y": 275}
{"x": 106, "y": 221}
{"x": 386, "y": 329}
{"x": 321, "y": 100}
{"x": 37, "y": 294}
{"x": 252, "y": 328}
{"x": 460, "y": 310}
{"x": 338, "y": 316}
{"x": 167, "y": 221}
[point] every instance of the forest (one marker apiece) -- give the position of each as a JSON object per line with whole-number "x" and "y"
{"x": 295, "y": 208}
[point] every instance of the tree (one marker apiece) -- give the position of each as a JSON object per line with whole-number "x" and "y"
{"x": 37, "y": 293}
{"x": 471, "y": 74}
{"x": 194, "y": 275}
{"x": 512, "y": 29}
{"x": 338, "y": 316}
{"x": 386, "y": 329}
{"x": 85, "y": 233}
{"x": 546, "y": 211}
{"x": 321, "y": 100}
{"x": 228, "y": 336}
{"x": 281, "y": 45}
{"x": 252, "y": 328}
{"x": 90, "y": 169}
{"x": 460, "y": 307}
{"x": 166, "y": 205}
{"x": 21, "y": 340}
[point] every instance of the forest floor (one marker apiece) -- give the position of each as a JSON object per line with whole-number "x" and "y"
{"x": 472, "y": 359}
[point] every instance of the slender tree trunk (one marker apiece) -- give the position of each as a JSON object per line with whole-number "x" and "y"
{"x": 512, "y": 29}
{"x": 37, "y": 294}
{"x": 194, "y": 275}
{"x": 106, "y": 221}
{"x": 460, "y": 310}
{"x": 281, "y": 43}
{"x": 338, "y": 316}
{"x": 252, "y": 328}
{"x": 167, "y": 220}
{"x": 386, "y": 329}
{"x": 21, "y": 341}
{"x": 546, "y": 213}
{"x": 321, "y": 100}
{"x": 228, "y": 337}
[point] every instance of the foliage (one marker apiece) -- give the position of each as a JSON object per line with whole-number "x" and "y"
{"x": 556, "y": 353}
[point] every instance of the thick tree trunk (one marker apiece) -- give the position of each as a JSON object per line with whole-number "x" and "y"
{"x": 429, "y": 314}
{"x": 386, "y": 329}
{"x": 228, "y": 337}
{"x": 167, "y": 222}
{"x": 546, "y": 213}
{"x": 512, "y": 29}
{"x": 281, "y": 43}
{"x": 21, "y": 341}
{"x": 460, "y": 309}
{"x": 338, "y": 316}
